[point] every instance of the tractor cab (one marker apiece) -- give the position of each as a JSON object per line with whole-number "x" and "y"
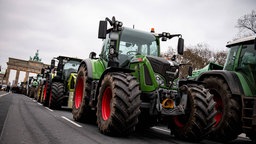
{"x": 66, "y": 66}
{"x": 121, "y": 44}
{"x": 70, "y": 67}
{"x": 131, "y": 43}
{"x": 242, "y": 59}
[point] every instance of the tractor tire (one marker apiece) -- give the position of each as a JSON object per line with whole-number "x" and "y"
{"x": 29, "y": 92}
{"x": 39, "y": 93}
{"x": 42, "y": 94}
{"x": 32, "y": 92}
{"x": 198, "y": 119}
{"x": 81, "y": 110}
{"x": 35, "y": 93}
{"x": 47, "y": 93}
{"x": 252, "y": 136}
{"x": 229, "y": 111}
{"x": 57, "y": 94}
{"x": 146, "y": 121}
{"x": 118, "y": 106}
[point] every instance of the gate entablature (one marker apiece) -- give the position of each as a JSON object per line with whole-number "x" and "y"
{"x": 23, "y": 65}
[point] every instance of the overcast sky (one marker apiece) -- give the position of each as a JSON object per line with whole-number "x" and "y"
{"x": 70, "y": 27}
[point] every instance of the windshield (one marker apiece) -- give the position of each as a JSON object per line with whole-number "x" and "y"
{"x": 247, "y": 62}
{"x": 230, "y": 62}
{"x": 71, "y": 65}
{"x": 134, "y": 42}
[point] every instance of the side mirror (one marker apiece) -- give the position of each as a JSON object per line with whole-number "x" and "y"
{"x": 180, "y": 46}
{"x": 92, "y": 55}
{"x": 52, "y": 64}
{"x": 102, "y": 30}
{"x": 190, "y": 70}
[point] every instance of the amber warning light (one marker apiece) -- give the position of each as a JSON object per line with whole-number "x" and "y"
{"x": 152, "y": 30}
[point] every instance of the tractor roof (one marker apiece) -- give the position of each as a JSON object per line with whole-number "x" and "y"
{"x": 68, "y": 58}
{"x": 241, "y": 40}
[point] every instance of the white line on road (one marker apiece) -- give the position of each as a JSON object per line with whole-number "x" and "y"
{"x": 39, "y": 103}
{"x": 161, "y": 129}
{"x": 71, "y": 121}
{"x": 164, "y": 130}
{"x": 4, "y": 94}
{"x": 49, "y": 109}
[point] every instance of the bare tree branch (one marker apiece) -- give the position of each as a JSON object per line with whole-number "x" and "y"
{"x": 247, "y": 22}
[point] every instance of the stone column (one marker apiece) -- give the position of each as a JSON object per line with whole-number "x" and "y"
{"x": 7, "y": 75}
{"x": 26, "y": 76}
{"x": 17, "y": 77}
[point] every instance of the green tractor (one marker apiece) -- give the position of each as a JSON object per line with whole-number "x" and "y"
{"x": 131, "y": 87}
{"x": 40, "y": 93}
{"x": 234, "y": 90}
{"x": 60, "y": 86}
{"x": 33, "y": 85}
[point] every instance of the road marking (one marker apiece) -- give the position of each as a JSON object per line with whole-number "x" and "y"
{"x": 161, "y": 129}
{"x": 39, "y": 103}
{"x": 49, "y": 109}
{"x": 71, "y": 121}
{"x": 4, "y": 94}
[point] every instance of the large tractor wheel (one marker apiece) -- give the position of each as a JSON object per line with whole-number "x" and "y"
{"x": 40, "y": 90}
{"x": 42, "y": 94}
{"x": 32, "y": 92}
{"x": 146, "y": 121}
{"x": 81, "y": 110}
{"x": 199, "y": 114}
{"x": 38, "y": 93}
{"x": 118, "y": 106}
{"x": 229, "y": 111}
{"x": 29, "y": 92}
{"x": 57, "y": 94}
{"x": 252, "y": 136}
{"x": 35, "y": 93}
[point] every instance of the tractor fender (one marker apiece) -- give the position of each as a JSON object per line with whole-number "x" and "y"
{"x": 230, "y": 77}
{"x": 88, "y": 64}
{"x": 109, "y": 70}
{"x": 57, "y": 79}
{"x": 50, "y": 77}
{"x": 72, "y": 81}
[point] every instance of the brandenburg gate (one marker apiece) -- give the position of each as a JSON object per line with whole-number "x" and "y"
{"x": 34, "y": 65}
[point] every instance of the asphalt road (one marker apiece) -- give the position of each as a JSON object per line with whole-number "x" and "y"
{"x": 24, "y": 121}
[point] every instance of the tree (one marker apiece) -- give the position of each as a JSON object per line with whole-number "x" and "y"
{"x": 247, "y": 23}
{"x": 197, "y": 56}
{"x": 220, "y": 57}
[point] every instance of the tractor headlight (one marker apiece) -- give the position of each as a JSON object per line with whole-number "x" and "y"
{"x": 159, "y": 80}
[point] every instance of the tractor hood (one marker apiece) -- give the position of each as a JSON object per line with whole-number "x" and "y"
{"x": 163, "y": 67}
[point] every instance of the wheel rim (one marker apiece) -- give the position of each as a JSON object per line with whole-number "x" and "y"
{"x": 79, "y": 92}
{"x": 106, "y": 106}
{"x": 180, "y": 121}
{"x": 218, "y": 106}
{"x": 45, "y": 90}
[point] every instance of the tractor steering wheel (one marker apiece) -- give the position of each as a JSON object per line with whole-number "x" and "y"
{"x": 130, "y": 52}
